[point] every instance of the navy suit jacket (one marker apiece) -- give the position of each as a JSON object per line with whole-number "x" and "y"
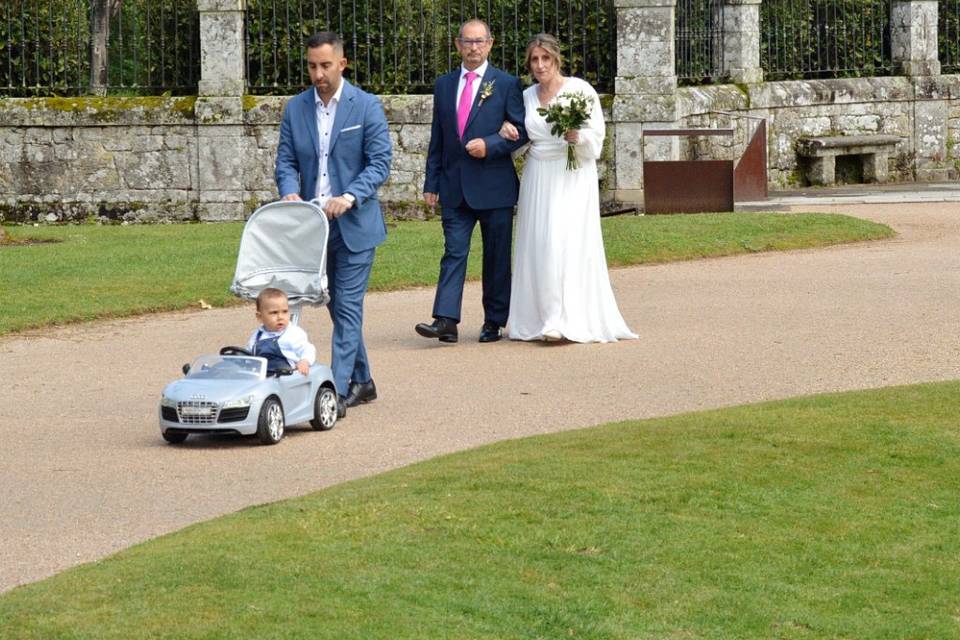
{"x": 359, "y": 160}
{"x": 484, "y": 183}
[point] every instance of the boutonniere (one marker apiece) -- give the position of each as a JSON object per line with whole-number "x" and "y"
{"x": 486, "y": 90}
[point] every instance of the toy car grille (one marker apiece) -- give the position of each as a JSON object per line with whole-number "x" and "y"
{"x": 169, "y": 414}
{"x": 197, "y": 412}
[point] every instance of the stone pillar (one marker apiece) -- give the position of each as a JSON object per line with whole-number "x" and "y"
{"x": 741, "y": 41}
{"x": 219, "y": 110}
{"x": 222, "y": 57}
{"x": 914, "y": 48}
{"x": 646, "y": 88}
{"x": 913, "y": 37}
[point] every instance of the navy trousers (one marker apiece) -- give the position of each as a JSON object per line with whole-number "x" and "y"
{"x": 496, "y": 230}
{"x": 347, "y": 277}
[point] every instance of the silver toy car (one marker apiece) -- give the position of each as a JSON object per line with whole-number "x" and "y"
{"x": 284, "y": 245}
{"x": 232, "y": 393}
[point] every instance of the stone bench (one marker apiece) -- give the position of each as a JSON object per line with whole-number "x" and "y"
{"x": 874, "y": 151}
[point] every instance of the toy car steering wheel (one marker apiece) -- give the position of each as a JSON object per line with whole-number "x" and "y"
{"x": 234, "y": 351}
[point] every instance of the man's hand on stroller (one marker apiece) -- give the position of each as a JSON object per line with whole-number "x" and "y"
{"x": 292, "y": 197}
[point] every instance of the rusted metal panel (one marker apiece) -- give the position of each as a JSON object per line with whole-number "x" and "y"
{"x": 687, "y": 186}
{"x": 750, "y": 176}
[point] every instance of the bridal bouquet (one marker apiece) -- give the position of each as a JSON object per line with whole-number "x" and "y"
{"x": 568, "y": 111}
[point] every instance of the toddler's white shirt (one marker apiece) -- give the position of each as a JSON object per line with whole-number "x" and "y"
{"x": 293, "y": 343}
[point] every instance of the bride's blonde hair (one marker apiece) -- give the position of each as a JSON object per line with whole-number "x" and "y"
{"x": 549, "y": 44}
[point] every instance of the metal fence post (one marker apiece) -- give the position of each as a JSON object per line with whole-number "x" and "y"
{"x": 222, "y": 57}
{"x": 741, "y": 41}
{"x": 646, "y": 89}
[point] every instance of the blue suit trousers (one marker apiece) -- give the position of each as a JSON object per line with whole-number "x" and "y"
{"x": 496, "y": 229}
{"x": 348, "y": 273}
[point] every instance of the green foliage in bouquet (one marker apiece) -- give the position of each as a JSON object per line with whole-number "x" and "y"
{"x": 568, "y": 111}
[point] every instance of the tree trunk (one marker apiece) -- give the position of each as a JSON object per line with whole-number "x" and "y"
{"x": 101, "y": 12}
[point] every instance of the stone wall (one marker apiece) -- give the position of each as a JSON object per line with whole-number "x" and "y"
{"x": 211, "y": 157}
{"x": 149, "y": 159}
{"x": 923, "y": 112}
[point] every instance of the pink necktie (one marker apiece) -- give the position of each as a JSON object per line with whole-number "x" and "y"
{"x": 466, "y": 99}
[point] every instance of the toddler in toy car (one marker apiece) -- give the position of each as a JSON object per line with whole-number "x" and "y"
{"x": 281, "y": 343}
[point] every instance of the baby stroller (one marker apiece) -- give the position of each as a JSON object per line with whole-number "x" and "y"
{"x": 284, "y": 245}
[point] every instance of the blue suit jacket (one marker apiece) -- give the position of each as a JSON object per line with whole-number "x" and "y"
{"x": 484, "y": 183}
{"x": 359, "y": 160}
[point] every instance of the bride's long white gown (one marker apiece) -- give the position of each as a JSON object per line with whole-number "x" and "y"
{"x": 560, "y": 281}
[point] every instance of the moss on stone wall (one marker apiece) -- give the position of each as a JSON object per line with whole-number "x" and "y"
{"x": 105, "y": 109}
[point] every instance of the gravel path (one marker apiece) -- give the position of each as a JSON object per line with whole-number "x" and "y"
{"x": 85, "y": 472}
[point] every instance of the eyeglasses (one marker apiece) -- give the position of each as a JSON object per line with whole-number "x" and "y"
{"x": 479, "y": 42}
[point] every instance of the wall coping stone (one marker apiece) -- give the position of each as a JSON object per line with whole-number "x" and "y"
{"x": 97, "y": 111}
{"x": 807, "y": 93}
{"x": 399, "y": 109}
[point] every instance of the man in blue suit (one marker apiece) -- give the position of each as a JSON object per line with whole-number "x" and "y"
{"x": 470, "y": 172}
{"x": 335, "y": 146}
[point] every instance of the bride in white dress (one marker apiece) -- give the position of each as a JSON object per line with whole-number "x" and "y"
{"x": 560, "y": 287}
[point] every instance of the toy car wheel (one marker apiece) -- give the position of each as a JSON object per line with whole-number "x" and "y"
{"x": 270, "y": 423}
{"x": 324, "y": 409}
{"x": 173, "y": 437}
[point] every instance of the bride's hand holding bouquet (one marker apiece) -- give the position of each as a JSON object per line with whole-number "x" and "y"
{"x": 568, "y": 113}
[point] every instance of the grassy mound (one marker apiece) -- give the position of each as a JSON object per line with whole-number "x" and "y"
{"x": 825, "y": 517}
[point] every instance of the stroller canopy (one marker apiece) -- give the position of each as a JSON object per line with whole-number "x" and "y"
{"x": 284, "y": 245}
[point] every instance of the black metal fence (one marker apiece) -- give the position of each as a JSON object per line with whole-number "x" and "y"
{"x": 949, "y": 35}
{"x": 399, "y": 46}
{"x": 699, "y": 41}
{"x": 824, "y": 38}
{"x": 153, "y": 47}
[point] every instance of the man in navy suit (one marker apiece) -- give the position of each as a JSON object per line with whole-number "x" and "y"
{"x": 335, "y": 146}
{"x": 470, "y": 172}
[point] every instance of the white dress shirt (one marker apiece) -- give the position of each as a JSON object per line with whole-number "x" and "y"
{"x": 476, "y": 82}
{"x": 293, "y": 343}
{"x": 325, "y": 116}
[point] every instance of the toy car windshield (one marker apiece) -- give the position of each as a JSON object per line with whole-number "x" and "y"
{"x": 227, "y": 368}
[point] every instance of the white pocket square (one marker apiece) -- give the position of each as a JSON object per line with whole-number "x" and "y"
{"x": 356, "y": 126}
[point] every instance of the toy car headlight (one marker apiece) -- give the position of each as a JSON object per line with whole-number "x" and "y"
{"x": 167, "y": 402}
{"x": 238, "y": 403}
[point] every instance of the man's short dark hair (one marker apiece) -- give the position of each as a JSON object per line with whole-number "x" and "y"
{"x": 325, "y": 37}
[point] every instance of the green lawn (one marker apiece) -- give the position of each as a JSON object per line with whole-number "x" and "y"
{"x": 110, "y": 271}
{"x": 833, "y": 516}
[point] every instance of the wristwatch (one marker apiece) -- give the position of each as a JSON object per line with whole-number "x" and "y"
{"x": 349, "y": 197}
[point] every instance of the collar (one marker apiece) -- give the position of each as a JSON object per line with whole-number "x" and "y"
{"x": 482, "y": 69}
{"x": 262, "y": 332}
{"x": 336, "y": 96}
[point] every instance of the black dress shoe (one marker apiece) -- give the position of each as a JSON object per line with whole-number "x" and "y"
{"x": 444, "y": 329}
{"x": 490, "y": 332}
{"x": 341, "y": 407}
{"x": 360, "y": 392}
